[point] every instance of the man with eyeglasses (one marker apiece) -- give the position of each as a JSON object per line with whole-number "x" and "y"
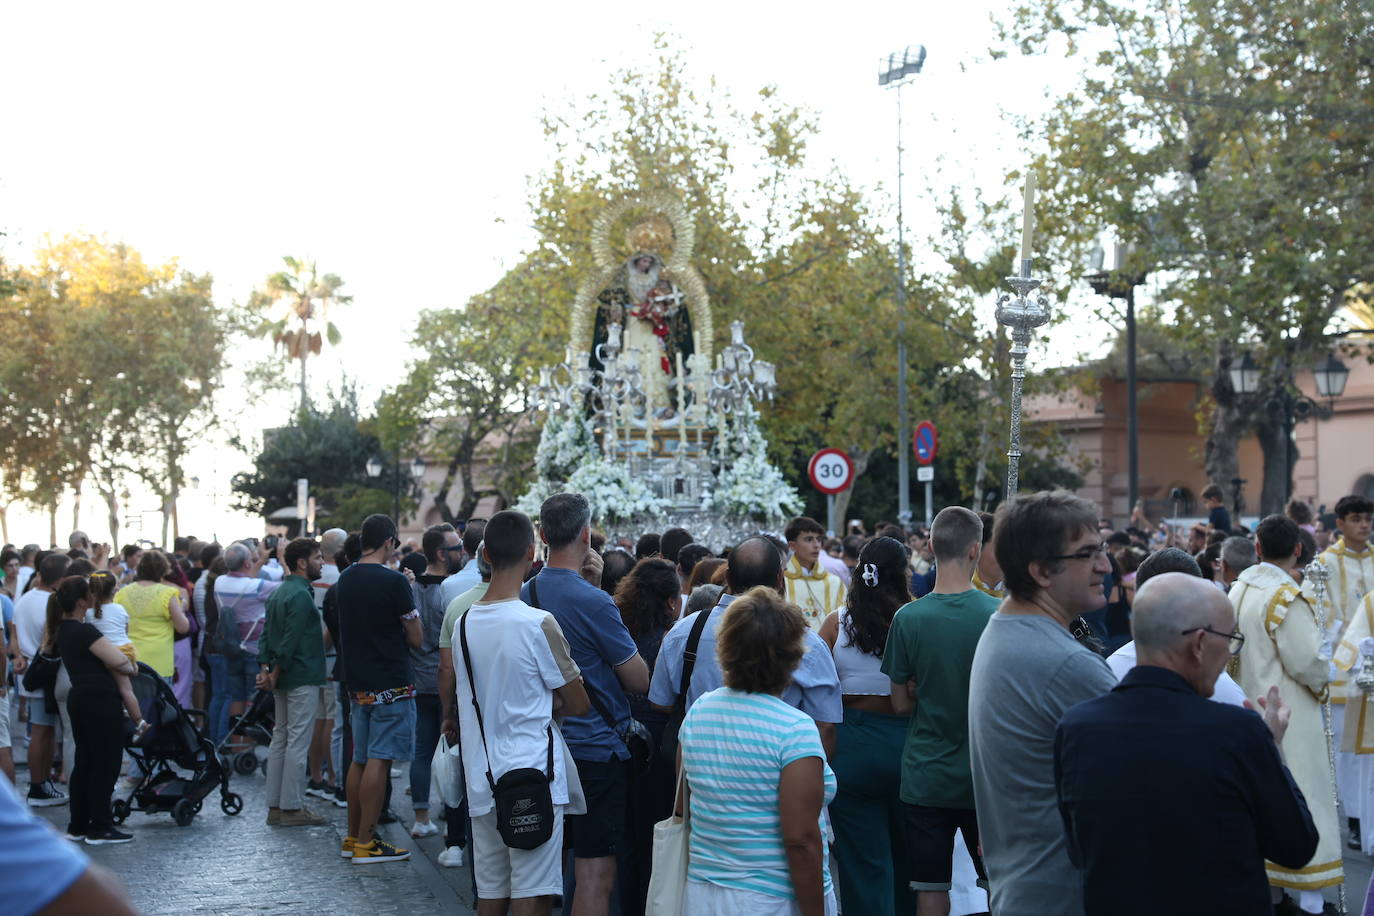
{"x": 1027, "y": 671}
{"x": 1284, "y": 646}
{"x": 464, "y": 576}
{"x": 1171, "y": 804}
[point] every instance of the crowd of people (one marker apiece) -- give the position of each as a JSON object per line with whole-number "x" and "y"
{"x": 1026, "y": 713}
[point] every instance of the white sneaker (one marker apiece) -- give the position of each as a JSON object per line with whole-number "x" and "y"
{"x": 424, "y": 828}
{"x": 453, "y": 857}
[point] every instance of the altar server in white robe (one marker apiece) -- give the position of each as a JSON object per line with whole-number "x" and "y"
{"x": 1284, "y": 647}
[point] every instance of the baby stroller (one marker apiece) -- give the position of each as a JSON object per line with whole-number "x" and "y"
{"x": 171, "y": 745}
{"x": 255, "y": 723}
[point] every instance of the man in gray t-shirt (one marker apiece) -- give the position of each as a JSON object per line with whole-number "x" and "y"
{"x": 1027, "y": 671}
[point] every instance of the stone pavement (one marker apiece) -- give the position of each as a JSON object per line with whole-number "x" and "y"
{"x": 222, "y": 864}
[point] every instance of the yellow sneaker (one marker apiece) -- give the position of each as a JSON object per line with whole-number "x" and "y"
{"x": 346, "y": 851}
{"x": 377, "y": 851}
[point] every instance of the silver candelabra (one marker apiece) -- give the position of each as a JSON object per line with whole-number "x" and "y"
{"x": 1320, "y": 577}
{"x": 1023, "y": 314}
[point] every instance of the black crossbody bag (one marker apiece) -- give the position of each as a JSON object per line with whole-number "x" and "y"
{"x": 524, "y": 801}
{"x": 637, "y": 738}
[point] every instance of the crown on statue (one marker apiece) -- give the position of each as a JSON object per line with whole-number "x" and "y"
{"x": 654, "y": 235}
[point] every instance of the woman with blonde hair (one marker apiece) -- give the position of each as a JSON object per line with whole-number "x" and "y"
{"x": 156, "y": 612}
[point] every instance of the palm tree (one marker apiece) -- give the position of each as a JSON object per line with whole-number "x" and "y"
{"x": 304, "y": 298}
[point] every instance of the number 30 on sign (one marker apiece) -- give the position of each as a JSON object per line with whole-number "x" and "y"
{"x": 830, "y": 471}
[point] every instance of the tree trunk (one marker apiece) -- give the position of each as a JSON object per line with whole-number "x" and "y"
{"x": 112, "y": 505}
{"x": 52, "y": 524}
{"x": 441, "y": 495}
{"x": 860, "y": 458}
{"x": 5, "y": 524}
{"x": 1280, "y": 454}
{"x": 1229, "y": 423}
{"x": 76, "y": 506}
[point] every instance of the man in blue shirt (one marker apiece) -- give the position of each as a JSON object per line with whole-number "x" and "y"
{"x": 609, "y": 659}
{"x": 815, "y": 687}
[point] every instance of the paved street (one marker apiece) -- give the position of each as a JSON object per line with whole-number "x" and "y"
{"x": 222, "y": 864}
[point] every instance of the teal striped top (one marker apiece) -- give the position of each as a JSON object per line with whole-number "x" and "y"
{"x": 734, "y": 747}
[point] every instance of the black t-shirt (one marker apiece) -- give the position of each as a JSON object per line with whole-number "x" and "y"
{"x": 1219, "y": 519}
{"x": 74, "y": 639}
{"x": 372, "y": 643}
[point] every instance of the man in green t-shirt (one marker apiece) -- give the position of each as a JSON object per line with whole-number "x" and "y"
{"x": 928, "y": 657}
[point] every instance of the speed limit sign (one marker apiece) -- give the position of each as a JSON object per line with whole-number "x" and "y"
{"x": 830, "y": 471}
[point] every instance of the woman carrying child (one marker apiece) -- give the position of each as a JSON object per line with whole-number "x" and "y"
{"x": 95, "y": 667}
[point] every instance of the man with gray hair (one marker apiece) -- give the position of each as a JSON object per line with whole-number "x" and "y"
{"x": 242, "y": 600}
{"x": 1237, "y": 555}
{"x": 1134, "y": 766}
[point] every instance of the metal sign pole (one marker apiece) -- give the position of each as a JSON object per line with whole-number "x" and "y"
{"x": 929, "y": 501}
{"x": 830, "y": 514}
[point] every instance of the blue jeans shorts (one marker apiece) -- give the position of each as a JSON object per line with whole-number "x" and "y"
{"x": 383, "y": 731}
{"x": 242, "y": 675}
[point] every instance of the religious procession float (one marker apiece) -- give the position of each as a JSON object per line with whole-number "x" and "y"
{"x": 642, "y": 416}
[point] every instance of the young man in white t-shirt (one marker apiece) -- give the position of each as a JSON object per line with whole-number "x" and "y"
{"x": 524, "y": 675}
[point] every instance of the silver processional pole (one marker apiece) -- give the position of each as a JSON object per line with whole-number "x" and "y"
{"x": 1023, "y": 314}
{"x": 1321, "y": 576}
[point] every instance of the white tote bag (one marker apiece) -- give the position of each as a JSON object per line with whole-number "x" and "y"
{"x": 672, "y": 842}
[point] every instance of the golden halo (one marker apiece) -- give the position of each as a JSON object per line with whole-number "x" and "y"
{"x": 659, "y": 217}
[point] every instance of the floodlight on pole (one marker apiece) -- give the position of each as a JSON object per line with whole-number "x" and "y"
{"x": 898, "y": 66}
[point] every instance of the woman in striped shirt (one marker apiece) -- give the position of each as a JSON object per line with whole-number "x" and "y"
{"x": 756, "y": 775}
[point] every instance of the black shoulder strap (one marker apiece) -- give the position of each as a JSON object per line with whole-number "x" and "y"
{"x": 472, "y": 683}
{"x": 689, "y": 660}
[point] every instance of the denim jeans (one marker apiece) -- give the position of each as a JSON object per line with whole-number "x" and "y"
{"x": 427, "y": 721}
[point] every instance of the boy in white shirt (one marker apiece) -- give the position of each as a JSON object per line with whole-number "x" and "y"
{"x": 518, "y": 661}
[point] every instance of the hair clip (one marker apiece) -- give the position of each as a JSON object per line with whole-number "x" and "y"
{"x": 871, "y": 575}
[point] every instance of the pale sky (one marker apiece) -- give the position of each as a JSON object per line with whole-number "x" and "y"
{"x": 393, "y": 142}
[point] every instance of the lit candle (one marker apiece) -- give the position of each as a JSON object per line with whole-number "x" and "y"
{"x": 1028, "y": 216}
{"x": 681, "y": 405}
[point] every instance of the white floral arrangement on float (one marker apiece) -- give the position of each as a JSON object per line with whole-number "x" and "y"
{"x": 749, "y": 484}
{"x": 614, "y": 495}
{"x": 565, "y": 443}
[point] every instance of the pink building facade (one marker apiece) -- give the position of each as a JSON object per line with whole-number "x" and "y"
{"x": 1336, "y": 456}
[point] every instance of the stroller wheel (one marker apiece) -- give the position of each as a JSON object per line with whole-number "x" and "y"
{"x": 119, "y": 810}
{"x": 231, "y": 804}
{"x": 183, "y": 812}
{"x": 195, "y": 809}
{"x": 245, "y": 763}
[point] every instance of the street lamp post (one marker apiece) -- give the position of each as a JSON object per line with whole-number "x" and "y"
{"x": 375, "y": 465}
{"x": 898, "y": 66}
{"x": 1287, "y": 407}
{"x": 1121, "y": 284}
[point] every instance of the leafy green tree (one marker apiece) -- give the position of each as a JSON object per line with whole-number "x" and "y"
{"x": 1229, "y": 144}
{"x": 114, "y": 377}
{"x": 793, "y": 250}
{"x": 328, "y": 446}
